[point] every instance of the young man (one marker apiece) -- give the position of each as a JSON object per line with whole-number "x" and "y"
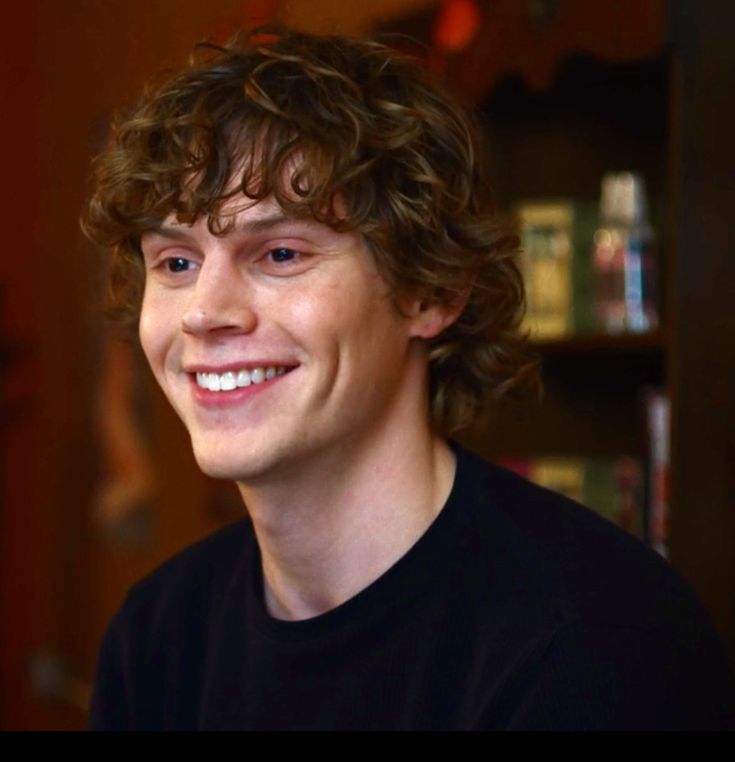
{"x": 327, "y": 295}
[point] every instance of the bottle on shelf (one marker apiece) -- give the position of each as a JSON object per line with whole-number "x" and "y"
{"x": 624, "y": 257}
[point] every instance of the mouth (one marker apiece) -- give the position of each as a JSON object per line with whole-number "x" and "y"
{"x": 239, "y": 378}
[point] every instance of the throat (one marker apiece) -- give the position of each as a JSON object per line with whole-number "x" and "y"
{"x": 318, "y": 553}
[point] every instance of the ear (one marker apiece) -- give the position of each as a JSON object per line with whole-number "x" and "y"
{"x": 430, "y": 317}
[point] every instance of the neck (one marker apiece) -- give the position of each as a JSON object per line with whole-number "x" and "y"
{"x": 358, "y": 510}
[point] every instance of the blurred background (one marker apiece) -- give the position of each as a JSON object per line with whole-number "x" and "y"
{"x": 609, "y": 129}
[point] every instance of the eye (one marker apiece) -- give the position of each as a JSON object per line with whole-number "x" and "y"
{"x": 283, "y": 254}
{"x": 179, "y": 264}
{"x": 285, "y": 262}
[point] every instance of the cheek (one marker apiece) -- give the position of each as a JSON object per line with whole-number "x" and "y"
{"x": 322, "y": 314}
{"x": 373, "y": 334}
{"x": 153, "y": 330}
{"x": 346, "y": 318}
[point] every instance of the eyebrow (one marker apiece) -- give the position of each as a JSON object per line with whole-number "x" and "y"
{"x": 260, "y": 225}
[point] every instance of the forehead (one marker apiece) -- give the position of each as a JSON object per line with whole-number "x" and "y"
{"x": 230, "y": 208}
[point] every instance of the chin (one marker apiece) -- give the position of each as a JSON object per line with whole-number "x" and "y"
{"x": 235, "y": 466}
{"x": 221, "y": 464}
{"x": 220, "y": 470}
{"x": 228, "y": 469}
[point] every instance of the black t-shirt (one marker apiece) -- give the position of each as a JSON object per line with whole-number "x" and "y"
{"x": 517, "y": 609}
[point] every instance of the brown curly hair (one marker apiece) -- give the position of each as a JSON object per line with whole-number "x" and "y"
{"x": 379, "y": 149}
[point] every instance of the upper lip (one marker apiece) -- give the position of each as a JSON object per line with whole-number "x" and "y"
{"x": 236, "y": 366}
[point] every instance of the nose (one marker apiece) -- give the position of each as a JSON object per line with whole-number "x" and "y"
{"x": 221, "y": 300}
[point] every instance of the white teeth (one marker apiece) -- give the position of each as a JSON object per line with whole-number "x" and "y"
{"x": 230, "y": 380}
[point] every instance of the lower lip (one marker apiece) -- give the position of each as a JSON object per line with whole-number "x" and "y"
{"x": 210, "y": 399}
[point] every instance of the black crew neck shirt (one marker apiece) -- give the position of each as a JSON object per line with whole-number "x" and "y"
{"x": 516, "y": 609}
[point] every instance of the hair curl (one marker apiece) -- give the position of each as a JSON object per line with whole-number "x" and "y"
{"x": 376, "y": 148}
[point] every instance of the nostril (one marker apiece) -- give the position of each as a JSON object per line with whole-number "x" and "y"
{"x": 235, "y": 319}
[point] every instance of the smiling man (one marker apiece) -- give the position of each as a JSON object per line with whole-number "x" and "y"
{"x": 324, "y": 294}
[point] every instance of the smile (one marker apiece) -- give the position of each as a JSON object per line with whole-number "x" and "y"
{"x": 225, "y": 382}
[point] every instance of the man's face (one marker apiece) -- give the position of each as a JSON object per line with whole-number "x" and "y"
{"x": 275, "y": 342}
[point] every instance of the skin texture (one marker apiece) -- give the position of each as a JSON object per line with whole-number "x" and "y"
{"x": 345, "y": 428}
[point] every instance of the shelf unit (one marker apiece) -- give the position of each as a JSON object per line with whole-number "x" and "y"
{"x": 595, "y": 113}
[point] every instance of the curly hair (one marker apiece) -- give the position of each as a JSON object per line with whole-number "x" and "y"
{"x": 352, "y": 134}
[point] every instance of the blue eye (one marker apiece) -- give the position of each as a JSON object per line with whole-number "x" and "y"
{"x": 283, "y": 254}
{"x": 177, "y": 264}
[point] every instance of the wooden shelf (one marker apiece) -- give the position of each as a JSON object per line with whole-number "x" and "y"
{"x": 600, "y": 344}
{"x": 612, "y": 368}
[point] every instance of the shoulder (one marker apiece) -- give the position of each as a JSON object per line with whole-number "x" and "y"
{"x": 171, "y": 611}
{"x": 626, "y": 642}
{"x": 592, "y": 568}
{"x": 193, "y": 580}
{"x": 151, "y": 660}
